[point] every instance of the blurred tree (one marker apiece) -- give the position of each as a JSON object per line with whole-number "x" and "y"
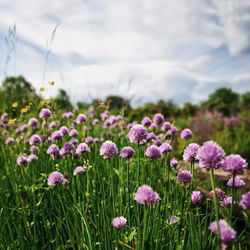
{"x": 224, "y": 100}
{"x": 62, "y": 100}
{"x": 245, "y": 100}
{"x": 117, "y": 102}
{"x": 19, "y": 91}
{"x": 189, "y": 109}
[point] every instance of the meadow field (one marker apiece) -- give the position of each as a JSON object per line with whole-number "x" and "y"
{"x": 92, "y": 179}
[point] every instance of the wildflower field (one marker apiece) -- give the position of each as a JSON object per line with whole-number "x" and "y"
{"x": 92, "y": 180}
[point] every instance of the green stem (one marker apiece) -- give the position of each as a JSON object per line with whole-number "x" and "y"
{"x": 215, "y": 201}
{"x": 144, "y": 227}
{"x": 233, "y": 197}
{"x": 129, "y": 218}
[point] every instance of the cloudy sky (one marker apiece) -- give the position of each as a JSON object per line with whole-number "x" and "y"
{"x": 143, "y": 50}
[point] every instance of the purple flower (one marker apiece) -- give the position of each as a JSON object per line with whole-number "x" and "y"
{"x": 165, "y": 147}
{"x": 76, "y": 155}
{"x": 153, "y": 126}
{"x": 73, "y": 133}
{"x": 81, "y": 118}
{"x": 33, "y": 148}
{"x": 151, "y": 136}
{"x": 33, "y": 122}
{"x": 4, "y": 116}
{"x": 35, "y": 139}
{"x": 237, "y": 182}
{"x": 43, "y": 138}
{"x": 166, "y": 126}
{"x": 153, "y": 152}
{"x": 56, "y": 178}
{"x": 227, "y": 234}
{"x": 157, "y": 142}
{"x": 146, "y": 122}
{"x": 245, "y": 200}
{"x": 57, "y": 135}
{"x": 31, "y": 158}
{"x": 96, "y": 140}
{"x": 172, "y": 219}
{"x": 64, "y": 130}
{"x": 196, "y": 197}
{"x": 82, "y": 148}
{"x": 52, "y": 125}
{"x": 45, "y": 113}
{"x": 54, "y": 151}
{"x": 184, "y": 177}
{"x": 95, "y": 122}
{"x": 74, "y": 141}
{"x": 220, "y": 195}
{"x": 127, "y": 152}
{"x": 145, "y": 195}
{"x": 22, "y": 159}
{"x": 235, "y": 164}
{"x": 24, "y": 127}
{"x": 158, "y": 119}
{"x": 174, "y": 130}
{"x": 108, "y": 149}
{"x": 138, "y": 134}
{"x": 119, "y": 222}
{"x": 174, "y": 163}
{"x": 78, "y": 170}
{"x": 227, "y": 202}
{"x": 9, "y": 140}
{"x": 190, "y": 152}
{"x": 89, "y": 140}
{"x": 104, "y": 115}
{"x": 186, "y": 134}
{"x": 210, "y": 155}
{"x": 69, "y": 146}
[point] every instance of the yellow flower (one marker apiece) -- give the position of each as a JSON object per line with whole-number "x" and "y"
{"x": 42, "y": 89}
{"x": 52, "y": 83}
{"x": 14, "y": 105}
{"x": 47, "y": 100}
{"x": 42, "y": 102}
{"x": 11, "y": 121}
{"x": 24, "y": 110}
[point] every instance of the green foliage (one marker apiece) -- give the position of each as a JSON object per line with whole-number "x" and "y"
{"x": 62, "y": 100}
{"x": 117, "y": 102}
{"x": 245, "y": 100}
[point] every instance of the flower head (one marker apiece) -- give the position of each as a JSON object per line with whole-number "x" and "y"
{"x": 56, "y": 178}
{"x": 146, "y": 122}
{"x": 22, "y": 159}
{"x": 186, "y": 134}
{"x": 54, "y": 151}
{"x": 227, "y": 234}
{"x": 45, "y": 113}
{"x": 138, "y": 134}
{"x": 190, "y": 152}
{"x": 237, "y": 182}
{"x": 184, "y": 177}
{"x": 127, "y": 152}
{"x": 73, "y": 133}
{"x": 82, "y": 148}
{"x": 235, "y": 164}
{"x": 220, "y": 195}
{"x": 145, "y": 195}
{"x": 174, "y": 163}
{"x": 108, "y": 149}
{"x": 64, "y": 130}
{"x": 166, "y": 126}
{"x": 119, "y": 222}
{"x": 210, "y": 155}
{"x": 165, "y": 147}
{"x": 245, "y": 200}
{"x": 35, "y": 139}
{"x": 32, "y": 158}
{"x": 9, "y": 140}
{"x": 153, "y": 152}
{"x": 172, "y": 219}
{"x": 78, "y": 170}
{"x": 158, "y": 119}
{"x": 153, "y": 126}
{"x": 81, "y": 118}
{"x": 57, "y": 135}
{"x": 33, "y": 122}
{"x": 196, "y": 197}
